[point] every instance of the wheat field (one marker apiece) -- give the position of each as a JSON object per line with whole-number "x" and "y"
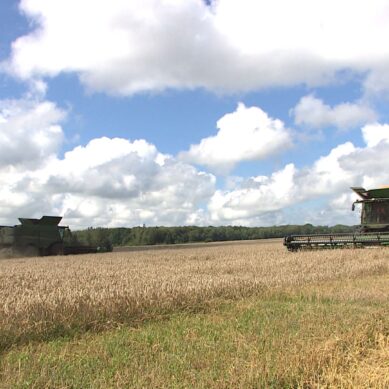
{"x": 43, "y": 298}
{"x": 43, "y": 293}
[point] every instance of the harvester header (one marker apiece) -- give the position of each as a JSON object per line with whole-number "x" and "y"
{"x": 373, "y": 230}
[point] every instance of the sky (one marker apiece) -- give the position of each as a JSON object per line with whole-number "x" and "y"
{"x": 192, "y": 112}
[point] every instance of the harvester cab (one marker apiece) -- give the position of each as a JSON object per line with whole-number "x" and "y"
{"x": 373, "y": 230}
{"x": 375, "y": 208}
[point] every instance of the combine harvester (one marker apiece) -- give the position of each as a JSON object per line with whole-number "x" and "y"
{"x": 373, "y": 231}
{"x": 39, "y": 237}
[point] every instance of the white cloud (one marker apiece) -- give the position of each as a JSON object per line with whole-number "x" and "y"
{"x": 244, "y": 135}
{"x": 375, "y": 133}
{"x": 126, "y": 47}
{"x": 368, "y": 165}
{"x": 116, "y": 181}
{"x": 257, "y": 197}
{"x": 312, "y": 112}
{"x": 377, "y": 81}
{"x": 284, "y": 196}
{"x": 327, "y": 175}
{"x": 29, "y": 131}
{"x": 129, "y": 184}
{"x": 106, "y": 182}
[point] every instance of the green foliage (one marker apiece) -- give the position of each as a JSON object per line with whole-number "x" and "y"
{"x": 95, "y": 237}
{"x": 106, "y": 238}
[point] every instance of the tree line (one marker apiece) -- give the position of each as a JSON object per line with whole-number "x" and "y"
{"x": 138, "y": 236}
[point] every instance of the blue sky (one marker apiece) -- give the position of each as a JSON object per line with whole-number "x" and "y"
{"x": 169, "y": 112}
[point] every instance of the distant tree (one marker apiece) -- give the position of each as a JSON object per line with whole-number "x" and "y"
{"x": 108, "y": 237}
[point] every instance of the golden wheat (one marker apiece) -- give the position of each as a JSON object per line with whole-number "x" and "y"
{"x": 45, "y": 297}
{"x": 37, "y": 294}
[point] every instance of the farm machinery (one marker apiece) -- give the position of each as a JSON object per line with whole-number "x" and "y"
{"x": 39, "y": 237}
{"x": 373, "y": 230}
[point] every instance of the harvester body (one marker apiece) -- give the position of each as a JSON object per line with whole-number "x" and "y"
{"x": 37, "y": 237}
{"x": 373, "y": 230}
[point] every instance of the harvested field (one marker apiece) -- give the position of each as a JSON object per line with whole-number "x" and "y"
{"x": 46, "y": 298}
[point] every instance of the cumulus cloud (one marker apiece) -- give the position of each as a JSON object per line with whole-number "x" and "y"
{"x": 129, "y": 183}
{"x": 125, "y": 47}
{"x": 259, "y": 195}
{"x": 271, "y": 199}
{"x": 106, "y": 182}
{"x": 29, "y": 131}
{"x": 312, "y": 112}
{"x": 118, "y": 182}
{"x": 167, "y": 195}
{"x": 377, "y": 81}
{"x": 244, "y": 135}
{"x": 375, "y": 133}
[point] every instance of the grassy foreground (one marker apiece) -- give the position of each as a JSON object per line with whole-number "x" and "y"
{"x": 243, "y": 317}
